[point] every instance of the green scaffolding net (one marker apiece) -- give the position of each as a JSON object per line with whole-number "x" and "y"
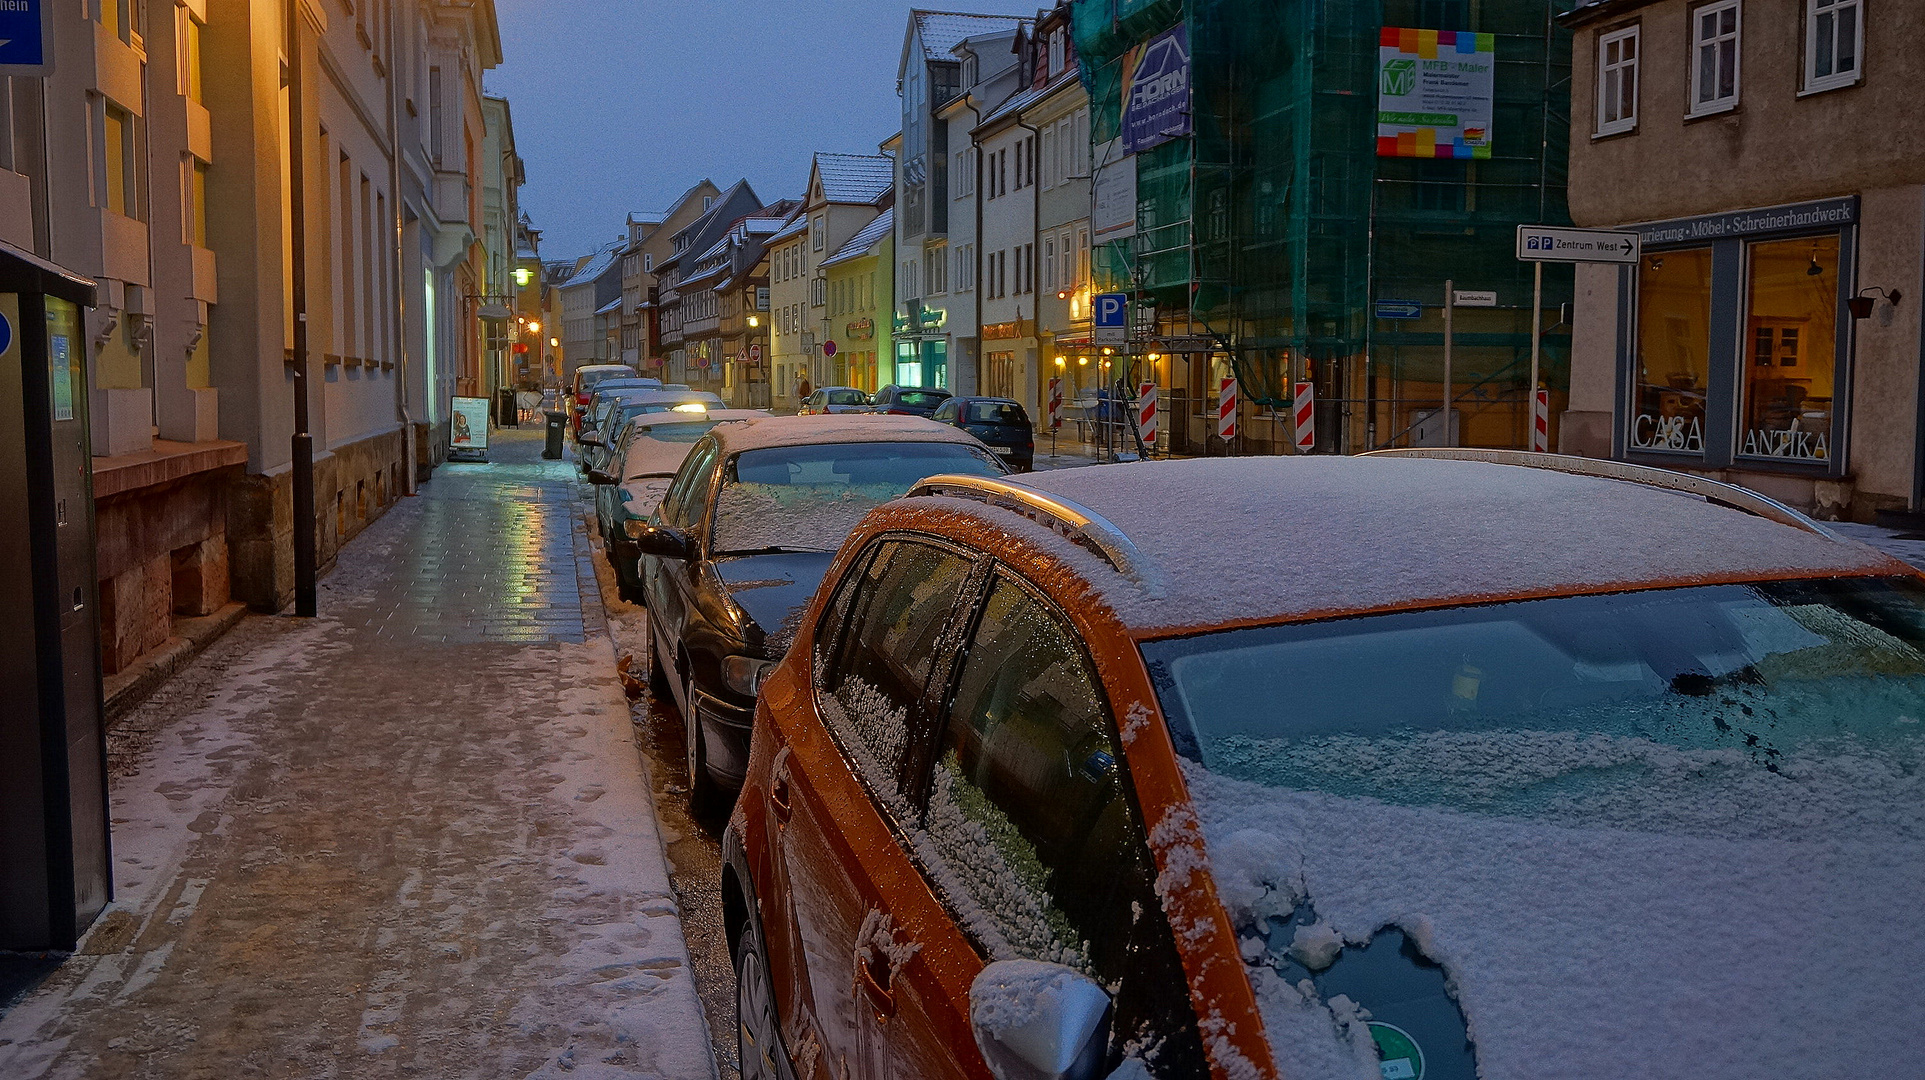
{"x": 1276, "y": 230}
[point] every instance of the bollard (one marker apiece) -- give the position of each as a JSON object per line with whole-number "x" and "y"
{"x": 557, "y": 428}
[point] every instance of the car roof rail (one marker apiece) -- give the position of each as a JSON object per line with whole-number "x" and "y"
{"x": 1737, "y": 498}
{"x": 1073, "y": 521}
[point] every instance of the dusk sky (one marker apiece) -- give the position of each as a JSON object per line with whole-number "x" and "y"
{"x": 621, "y": 105}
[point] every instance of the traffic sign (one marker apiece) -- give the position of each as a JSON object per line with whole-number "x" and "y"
{"x": 1399, "y": 309}
{"x": 828, "y": 348}
{"x": 1110, "y": 318}
{"x": 26, "y": 37}
{"x": 1474, "y": 298}
{"x": 6, "y": 334}
{"x": 1542, "y": 243}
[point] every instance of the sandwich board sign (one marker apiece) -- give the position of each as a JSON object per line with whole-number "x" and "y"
{"x": 468, "y": 428}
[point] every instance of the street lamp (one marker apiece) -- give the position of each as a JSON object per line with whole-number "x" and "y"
{"x": 754, "y": 321}
{"x": 523, "y": 276}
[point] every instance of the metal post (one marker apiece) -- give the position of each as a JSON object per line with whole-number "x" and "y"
{"x": 1450, "y": 306}
{"x": 305, "y": 598}
{"x": 1537, "y": 335}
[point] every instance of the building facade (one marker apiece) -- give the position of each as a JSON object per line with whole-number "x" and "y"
{"x": 1771, "y": 334}
{"x": 1060, "y": 116}
{"x": 860, "y": 306}
{"x": 585, "y": 298}
{"x": 687, "y": 306}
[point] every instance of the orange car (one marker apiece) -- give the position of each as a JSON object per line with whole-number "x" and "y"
{"x": 1421, "y": 766}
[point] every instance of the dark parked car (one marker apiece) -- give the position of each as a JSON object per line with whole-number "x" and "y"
{"x": 908, "y": 400}
{"x": 643, "y": 460}
{"x": 605, "y": 426}
{"x": 739, "y": 543}
{"x": 835, "y": 399}
{"x": 1000, "y": 423}
{"x": 587, "y": 378}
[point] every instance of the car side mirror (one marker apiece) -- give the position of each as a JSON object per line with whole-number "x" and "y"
{"x": 660, "y": 540}
{"x": 589, "y": 438}
{"x": 597, "y": 476}
{"x": 1039, "y": 1021}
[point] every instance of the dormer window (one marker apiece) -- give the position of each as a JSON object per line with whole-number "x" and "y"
{"x": 1058, "y": 52}
{"x": 969, "y": 72}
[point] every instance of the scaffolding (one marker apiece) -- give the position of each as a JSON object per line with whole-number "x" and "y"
{"x": 1273, "y": 230}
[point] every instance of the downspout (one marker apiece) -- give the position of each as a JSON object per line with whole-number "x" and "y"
{"x": 401, "y": 402}
{"x": 1035, "y": 231}
{"x": 976, "y": 286}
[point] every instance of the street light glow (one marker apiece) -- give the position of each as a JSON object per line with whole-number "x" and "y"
{"x": 754, "y": 321}
{"x": 523, "y": 276}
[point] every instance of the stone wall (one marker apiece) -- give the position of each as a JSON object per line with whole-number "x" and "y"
{"x": 353, "y": 486}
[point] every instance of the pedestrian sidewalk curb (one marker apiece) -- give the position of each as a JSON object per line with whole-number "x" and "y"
{"x": 129, "y": 688}
{"x": 681, "y": 1062}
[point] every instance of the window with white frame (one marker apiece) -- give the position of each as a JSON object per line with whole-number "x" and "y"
{"x": 1834, "y": 33}
{"x": 1714, "y": 57}
{"x": 1617, "y": 81}
{"x": 1056, "y": 52}
{"x": 937, "y": 273}
{"x": 1049, "y": 262}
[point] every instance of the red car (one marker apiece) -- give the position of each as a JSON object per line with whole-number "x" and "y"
{"x": 586, "y": 377}
{"x": 1358, "y": 768}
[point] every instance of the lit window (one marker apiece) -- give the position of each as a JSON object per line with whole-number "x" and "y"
{"x": 1833, "y": 43}
{"x": 1617, "y": 82}
{"x": 1714, "y": 71}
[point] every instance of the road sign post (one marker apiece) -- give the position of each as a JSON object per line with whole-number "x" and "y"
{"x": 1540, "y": 244}
{"x": 1450, "y": 305}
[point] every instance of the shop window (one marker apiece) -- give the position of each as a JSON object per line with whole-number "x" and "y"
{"x": 1714, "y": 47}
{"x": 1833, "y": 29}
{"x": 1673, "y": 358}
{"x": 1790, "y": 349}
{"x": 1617, "y": 82}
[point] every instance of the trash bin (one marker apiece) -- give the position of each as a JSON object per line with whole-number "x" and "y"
{"x": 557, "y": 428}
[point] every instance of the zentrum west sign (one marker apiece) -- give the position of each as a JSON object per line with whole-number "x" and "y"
{"x": 1156, "y": 91}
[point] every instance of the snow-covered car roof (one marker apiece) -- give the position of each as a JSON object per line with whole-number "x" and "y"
{"x": 836, "y": 428}
{"x": 1268, "y": 539}
{"x": 634, "y": 467}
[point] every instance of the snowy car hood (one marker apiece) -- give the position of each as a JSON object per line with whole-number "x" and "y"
{"x": 1788, "y": 948}
{"x": 772, "y": 590}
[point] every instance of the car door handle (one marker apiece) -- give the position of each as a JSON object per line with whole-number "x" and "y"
{"x": 781, "y": 799}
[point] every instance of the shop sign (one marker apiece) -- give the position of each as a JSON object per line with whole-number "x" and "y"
{"x": 1824, "y": 213}
{"x": 860, "y": 330}
{"x": 1002, "y": 331}
{"x": 1156, "y": 90}
{"x": 1435, "y": 93}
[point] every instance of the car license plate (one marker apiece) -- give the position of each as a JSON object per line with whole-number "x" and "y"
{"x": 1006, "y": 451}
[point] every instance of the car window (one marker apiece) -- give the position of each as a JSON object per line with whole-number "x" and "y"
{"x": 877, "y": 670}
{"x": 847, "y": 397}
{"x": 695, "y": 470}
{"x": 1037, "y": 843}
{"x": 946, "y": 413}
{"x": 922, "y": 399}
{"x": 996, "y": 412}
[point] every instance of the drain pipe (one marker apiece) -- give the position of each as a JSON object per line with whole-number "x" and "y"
{"x": 399, "y": 275}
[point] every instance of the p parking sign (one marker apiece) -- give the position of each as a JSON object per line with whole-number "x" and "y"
{"x": 1110, "y": 318}
{"x": 26, "y": 37}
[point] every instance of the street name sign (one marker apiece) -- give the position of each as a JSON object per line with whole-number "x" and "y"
{"x": 1110, "y": 318}
{"x": 1399, "y": 309}
{"x": 1541, "y": 243}
{"x": 1474, "y": 298}
{"x": 26, "y": 37}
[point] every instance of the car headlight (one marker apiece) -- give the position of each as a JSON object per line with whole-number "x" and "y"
{"x": 745, "y": 674}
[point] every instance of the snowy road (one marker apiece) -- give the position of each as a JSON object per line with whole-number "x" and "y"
{"x": 411, "y": 837}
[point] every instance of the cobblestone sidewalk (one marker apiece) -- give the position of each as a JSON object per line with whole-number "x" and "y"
{"x": 412, "y": 837}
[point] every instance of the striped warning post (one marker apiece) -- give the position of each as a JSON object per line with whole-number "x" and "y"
{"x": 1146, "y": 412}
{"x": 1055, "y": 403}
{"x": 1226, "y": 409}
{"x": 1305, "y": 416}
{"x": 1541, "y": 422}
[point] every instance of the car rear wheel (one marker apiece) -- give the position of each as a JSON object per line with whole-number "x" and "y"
{"x": 758, "y": 1029}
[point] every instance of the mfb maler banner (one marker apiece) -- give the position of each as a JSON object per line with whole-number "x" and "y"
{"x": 1156, "y": 91}
{"x": 1434, "y": 93}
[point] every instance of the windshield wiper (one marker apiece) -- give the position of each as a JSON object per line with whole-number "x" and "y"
{"x": 773, "y": 550}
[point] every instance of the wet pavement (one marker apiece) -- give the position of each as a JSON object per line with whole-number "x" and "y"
{"x": 412, "y": 837}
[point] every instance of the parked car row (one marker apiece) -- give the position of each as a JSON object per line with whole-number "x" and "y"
{"x": 1424, "y": 764}
{"x": 1000, "y": 423}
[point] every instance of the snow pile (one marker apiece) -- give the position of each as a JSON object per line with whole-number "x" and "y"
{"x": 1276, "y": 537}
{"x": 1703, "y": 952}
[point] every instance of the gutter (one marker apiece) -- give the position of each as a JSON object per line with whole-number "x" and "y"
{"x": 1599, "y": 10}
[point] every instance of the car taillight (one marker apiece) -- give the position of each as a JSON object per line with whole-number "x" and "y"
{"x": 898, "y": 412}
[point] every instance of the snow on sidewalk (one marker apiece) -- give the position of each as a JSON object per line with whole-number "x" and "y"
{"x": 356, "y": 847}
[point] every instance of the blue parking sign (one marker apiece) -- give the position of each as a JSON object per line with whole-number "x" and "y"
{"x": 26, "y": 37}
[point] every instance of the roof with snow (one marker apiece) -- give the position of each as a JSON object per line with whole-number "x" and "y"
{"x": 1267, "y": 539}
{"x": 942, "y": 31}
{"x": 610, "y": 308}
{"x": 864, "y": 239}
{"x": 855, "y": 178}
{"x": 795, "y": 228}
{"x": 596, "y": 265}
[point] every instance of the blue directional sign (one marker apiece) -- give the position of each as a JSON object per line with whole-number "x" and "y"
{"x": 1399, "y": 309}
{"x": 26, "y": 37}
{"x": 6, "y": 334}
{"x": 1110, "y": 318}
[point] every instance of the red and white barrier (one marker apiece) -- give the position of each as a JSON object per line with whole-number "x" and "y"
{"x": 1304, "y": 414}
{"x": 1146, "y": 413}
{"x": 1541, "y": 422}
{"x": 1055, "y": 403}
{"x": 1226, "y": 409}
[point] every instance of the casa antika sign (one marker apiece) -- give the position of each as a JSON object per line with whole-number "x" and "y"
{"x": 1434, "y": 93}
{"x": 860, "y": 330}
{"x": 1156, "y": 91}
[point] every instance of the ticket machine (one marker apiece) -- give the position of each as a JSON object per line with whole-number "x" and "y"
{"x": 55, "y": 870}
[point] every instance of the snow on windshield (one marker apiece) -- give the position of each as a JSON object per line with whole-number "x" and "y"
{"x": 812, "y": 496}
{"x": 1714, "y": 878}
